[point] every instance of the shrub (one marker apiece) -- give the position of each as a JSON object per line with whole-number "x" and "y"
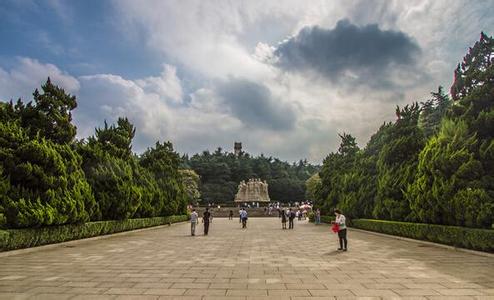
{"x": 324, "y": 219}
{"x": 327, "y": 219}
{"x": 470, "y": 238}
{"x": 30, "y": 237}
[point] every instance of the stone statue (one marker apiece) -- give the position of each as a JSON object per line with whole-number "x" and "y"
{"x": 254, "y": 190}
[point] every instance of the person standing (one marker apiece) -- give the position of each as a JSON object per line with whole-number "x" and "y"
{"x": 318, "y": 216}
{"x": 205, "y": 219}
{"x": 283, "y": 220}
{"x": 230, "y": 217}
{"x": 341, "y": 221}
{"x": 243, "y": 216}
{"x": 291, "y": 216}
{"x": 194, "y": 217}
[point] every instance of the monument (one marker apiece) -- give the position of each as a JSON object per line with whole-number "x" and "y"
{"x": 254, "y": 190}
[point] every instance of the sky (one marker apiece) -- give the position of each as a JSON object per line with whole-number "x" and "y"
{"x": 282, "y": 77}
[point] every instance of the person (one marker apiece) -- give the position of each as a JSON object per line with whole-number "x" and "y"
{"x": 341, "y": 221}
{"x": 298, "y": 214}
{"x": 230, "y": 217}
{"x": 318, "y": 217}
{"x": 193, "y": 222}
{"x": 240, "y": 215}
{"x": 283, "y": 220}
{"x": 291, "y": 216}
{"x": 205, "y": 219}
{"x": 244, "y": 218}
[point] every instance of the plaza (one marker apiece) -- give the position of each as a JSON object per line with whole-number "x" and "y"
{"x": 260, "y": 262}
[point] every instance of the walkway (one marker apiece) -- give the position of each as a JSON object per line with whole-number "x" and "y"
{"x": 262, "y": 262}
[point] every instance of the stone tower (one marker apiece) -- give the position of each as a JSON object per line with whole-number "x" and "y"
{"x": 237, "y": 148}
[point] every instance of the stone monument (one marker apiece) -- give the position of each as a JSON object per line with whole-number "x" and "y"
{"x": 254, "y": 190}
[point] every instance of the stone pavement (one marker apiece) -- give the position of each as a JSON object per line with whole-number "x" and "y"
{"x": 261, "y": 262}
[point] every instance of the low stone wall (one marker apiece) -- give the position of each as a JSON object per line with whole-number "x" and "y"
{"x": 224, "y": 212}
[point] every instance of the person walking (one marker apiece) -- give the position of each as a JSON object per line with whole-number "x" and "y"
{"x": 244, "y": 218}
{"x": 291, "y": 216}
{"x": 230, "y": 217}
{"x": 318, "y": 216}
{"x": 341, "y": 221}
{"x": 194, "y": 217}
{"x": 283, "y": 220}
{"x": 205, "y": 219}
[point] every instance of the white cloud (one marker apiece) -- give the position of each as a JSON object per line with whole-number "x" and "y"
{"x": 167, "y": 85}
{"x": 29, "y": 74}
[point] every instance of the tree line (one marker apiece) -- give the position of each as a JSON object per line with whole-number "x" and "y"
{"x": 47, "y": 177}
{"x": 221, "y": 172}
{"x": 434, "y": 164}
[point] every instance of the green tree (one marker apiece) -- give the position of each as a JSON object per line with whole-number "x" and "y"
{"x": 51, "y": 114}
{"x": 397, "y": 164}
{"x": 46, "y": 185}
{"x": 191, "y": 181}
{"x": 163, "y": 162}
{"x": 311, "y": 186}
{"x": 455, "y": 180}
{"x": 335, "y": 167}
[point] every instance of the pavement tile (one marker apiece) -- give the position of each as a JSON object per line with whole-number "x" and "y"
{"x": 263, "y": 262}
{"x": 460, "y": 292}
{"x": 125, "y": 291}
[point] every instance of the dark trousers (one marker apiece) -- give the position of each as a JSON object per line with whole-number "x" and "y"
{"x": 290, "y": 224}
{"x": 206, "y": 228}
{"x": 342, "y": 237}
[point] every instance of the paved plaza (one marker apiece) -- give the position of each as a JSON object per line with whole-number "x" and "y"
{"x": 261, "y": 262}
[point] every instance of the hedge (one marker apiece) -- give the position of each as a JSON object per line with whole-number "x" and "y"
{"x": 462, "y": 237}
{"x": 324, "y": 219}
{"x": 11, "y": 239}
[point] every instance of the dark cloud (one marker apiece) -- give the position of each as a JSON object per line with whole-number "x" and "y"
{"x": 254, "y": 105}
{"x": 348, "y": 51}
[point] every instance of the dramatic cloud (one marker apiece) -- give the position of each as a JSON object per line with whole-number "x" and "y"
{"x": 347, "y": 51}
{"x": 254, "y": 105}
{"x": 229, "y": 72}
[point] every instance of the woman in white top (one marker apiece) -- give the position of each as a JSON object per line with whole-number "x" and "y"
{"x": 341, "y": 221}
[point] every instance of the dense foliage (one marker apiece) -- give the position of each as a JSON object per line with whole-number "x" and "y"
{"x": 49, "y": 178}
{"x": 434, "y": 164}
{"x": 220, "y": 173}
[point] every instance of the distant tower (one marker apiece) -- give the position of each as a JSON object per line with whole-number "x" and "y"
{"x": 238, "y": 148}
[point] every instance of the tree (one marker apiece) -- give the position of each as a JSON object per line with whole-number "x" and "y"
{"x": 335, "y": 167}
{"x": 311, "y": 186}
{"x": 191, "y": 181}
{"x": 433, "y": 111}
{"x": 396, "y": 165}
{"x": 116, "y": 140}
{"x": 163, "y": 162}
{"x": 46, "y": 185}
{"x": 455, "y": 180}
{"x": 51, "y": 114}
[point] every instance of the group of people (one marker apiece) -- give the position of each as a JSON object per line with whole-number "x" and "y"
{"x": 194, "y": 219}
{"x": 285, "y": 215}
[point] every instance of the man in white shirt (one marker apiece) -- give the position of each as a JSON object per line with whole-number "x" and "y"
{"x": 194, "y": 217}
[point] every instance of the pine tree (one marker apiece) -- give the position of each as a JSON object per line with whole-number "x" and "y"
{"x": 51, "y": 114}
